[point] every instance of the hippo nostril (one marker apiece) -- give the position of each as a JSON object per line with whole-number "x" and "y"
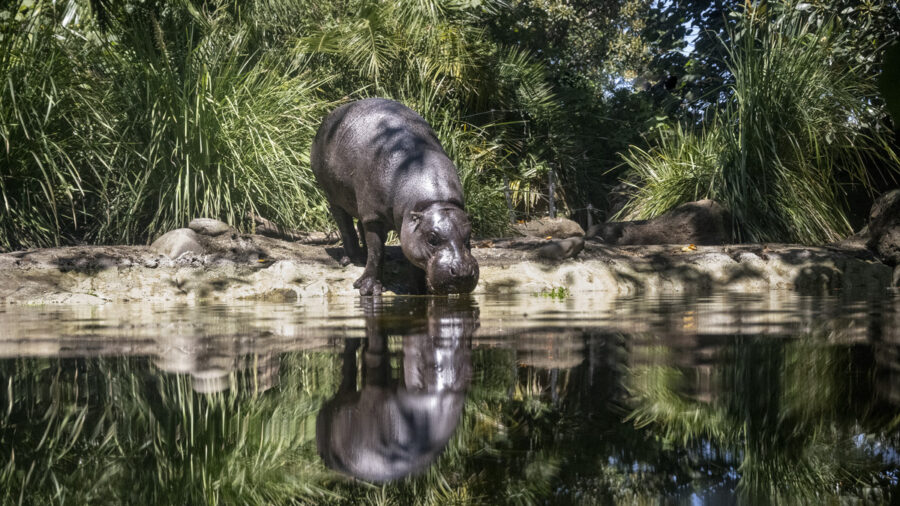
{"x": 453, "y": 270}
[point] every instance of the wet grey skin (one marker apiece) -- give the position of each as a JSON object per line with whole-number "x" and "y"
{"x": 381, "y": 163}
{"x": 385, "y": 429}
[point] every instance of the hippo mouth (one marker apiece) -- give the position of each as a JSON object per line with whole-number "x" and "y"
{"x": 443, "y": 280}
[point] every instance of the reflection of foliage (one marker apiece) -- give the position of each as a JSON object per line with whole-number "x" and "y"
{"x": 782, "y": 417}
{"x": 781, "y": 420}
{"x": 119, "y": 431}
{"x": 116, "y": 431}
{"x": 686, "y": 421}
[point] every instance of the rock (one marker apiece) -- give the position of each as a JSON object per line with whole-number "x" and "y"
{"x": 883, "y": 230}
{"x": 209, "y": 226}
{"x": 210, "y": 381}
{"x": 704, "y": 222}
{"x": 857, "y": 241}
{"x": 886, "y": 210}
{"x": 558, "y": 228}
{"x": 611, "y": 232}
{"x": 275, "y": 295}
{"x": 177, "y": 242}
{"x": 562, "y": 249}
{"x": 270, "y": 229}
{"x": 887, "y": 246}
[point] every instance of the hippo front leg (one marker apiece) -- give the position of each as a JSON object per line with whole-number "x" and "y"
{"x": 370, "y": 281}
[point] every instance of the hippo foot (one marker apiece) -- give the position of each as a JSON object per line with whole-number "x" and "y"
{"x": 355, "y": 259}
{"x": 368, "y": 285}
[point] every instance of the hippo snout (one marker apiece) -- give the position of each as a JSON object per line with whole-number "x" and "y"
{"x": 462, "y": 269}
{"x": 452, "y": 271}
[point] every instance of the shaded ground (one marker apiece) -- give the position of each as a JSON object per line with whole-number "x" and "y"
{"x": 259, "y": 267}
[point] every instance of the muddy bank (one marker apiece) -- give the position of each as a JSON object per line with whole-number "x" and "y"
{"x": 258, "y": 267}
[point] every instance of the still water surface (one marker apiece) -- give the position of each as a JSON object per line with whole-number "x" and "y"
{"x": 522, "y": 400}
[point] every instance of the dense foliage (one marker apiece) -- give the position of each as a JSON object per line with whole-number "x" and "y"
{"x": 791, "y": 132}
{"x": 122, "y": 120}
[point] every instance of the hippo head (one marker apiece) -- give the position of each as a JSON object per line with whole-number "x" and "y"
{"x": 436, "y": 240}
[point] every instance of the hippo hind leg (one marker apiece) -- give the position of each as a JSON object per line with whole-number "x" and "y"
{"x": 352, "y": 252}
{"x": 370, "y": 281}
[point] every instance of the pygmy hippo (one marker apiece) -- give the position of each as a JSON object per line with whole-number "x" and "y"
{"x": 381, "y": 163}
{"x": 383, "y": 427}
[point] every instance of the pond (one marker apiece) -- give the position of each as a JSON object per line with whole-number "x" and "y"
{"x": 491, "y": 400}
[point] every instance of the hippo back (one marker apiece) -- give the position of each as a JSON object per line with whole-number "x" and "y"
{"x": 376, "y": 158}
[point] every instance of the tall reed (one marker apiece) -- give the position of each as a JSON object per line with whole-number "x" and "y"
{"x": 170, "y": 111}
{"x": 57, "y": 132}
{"x": 780, "y": 149}
{"x": 217, "y": 129}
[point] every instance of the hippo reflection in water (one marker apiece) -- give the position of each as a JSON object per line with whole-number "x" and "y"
{"x": 394, "y": 427}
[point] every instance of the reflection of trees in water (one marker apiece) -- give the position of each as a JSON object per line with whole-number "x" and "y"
{"x": 576, "y": 416}
{"x": 227, "y": 428}
{"x": 117, "y": 431}
{"x": 780, "y": 419}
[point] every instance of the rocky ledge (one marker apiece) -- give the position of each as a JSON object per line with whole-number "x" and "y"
{"x": 210, "y": 262}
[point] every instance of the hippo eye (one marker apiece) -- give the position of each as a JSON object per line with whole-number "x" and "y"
{"x": 433, "y": 239}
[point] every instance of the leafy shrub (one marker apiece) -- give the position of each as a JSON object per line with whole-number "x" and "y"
{"x": 56, "y": 138}
{"x": 788, "y": 133}
{"x": 122, "y": 123}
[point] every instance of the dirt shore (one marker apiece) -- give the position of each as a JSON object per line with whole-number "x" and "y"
{"x": 264, "y": 268}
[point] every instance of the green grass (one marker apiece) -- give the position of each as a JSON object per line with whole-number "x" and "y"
{"x": 227, "y": 135}
{"x": 781, "y": 149}
{"x": 558, "y": 293}
{"x": 682, "y": 166}
{"x": 122, "y": 139}
{"x": 54, "y": 133}
{"x": 173, "y": 111}
{"x": 120, "y": 134}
